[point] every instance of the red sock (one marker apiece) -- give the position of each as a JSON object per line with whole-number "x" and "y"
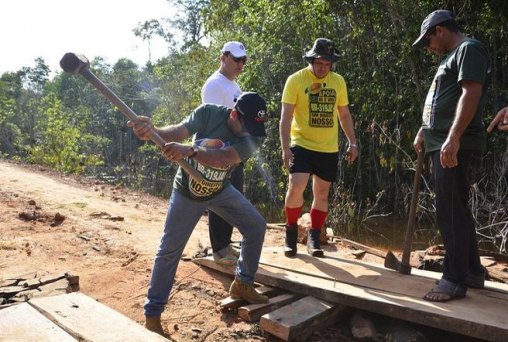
{"x": 317, "y": 218}
{"x": 292, "y": 215}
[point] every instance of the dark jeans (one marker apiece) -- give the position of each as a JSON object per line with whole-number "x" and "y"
{"x": 454, "y": 218}
{"x": 220, "y": 231}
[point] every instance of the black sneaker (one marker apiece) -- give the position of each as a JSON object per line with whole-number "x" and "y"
{"x": 291, "y": 239}
{"x": 313, "y": 246}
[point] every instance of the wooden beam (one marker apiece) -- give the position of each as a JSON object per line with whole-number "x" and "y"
{"x": 21, "y": 322}
{"x": 86, "y": 319}
{"x": 297, "y": 321}
{"x": 252, "y": 312}
{"x": 229, "y": 303}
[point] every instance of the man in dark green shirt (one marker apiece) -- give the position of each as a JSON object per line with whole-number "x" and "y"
{"x": 223, "y": 137}
{"x": 454, "y": 138}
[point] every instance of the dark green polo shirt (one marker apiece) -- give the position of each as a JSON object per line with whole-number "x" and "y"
{"x": 208, "y": 124}
{"x": 468, "y": 61}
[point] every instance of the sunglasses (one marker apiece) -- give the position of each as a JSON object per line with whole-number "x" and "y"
{"x": 243, "y": 59}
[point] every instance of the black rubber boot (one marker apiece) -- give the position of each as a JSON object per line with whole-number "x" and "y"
{"x": 291, "y": 239}
{"x": 313, "y": 246}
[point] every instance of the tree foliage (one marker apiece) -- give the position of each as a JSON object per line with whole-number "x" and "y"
{"x": 65, "y": 123}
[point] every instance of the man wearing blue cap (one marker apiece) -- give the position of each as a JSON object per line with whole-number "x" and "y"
{"x": 227, "y": 136}
{"x": 455, "y": 138}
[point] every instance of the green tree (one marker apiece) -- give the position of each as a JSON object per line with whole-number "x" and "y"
{"x": 11, "y": 137}
{"x": 61, "y": 143}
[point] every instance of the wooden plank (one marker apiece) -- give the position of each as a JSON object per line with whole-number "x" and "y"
{"x": 23, "y": 323}
{"x": 86, "y": 319}
{"x": 252, "y": 312}
{"x": 297, "y": 321}
{"x": 37, "y": 282}
{"x": 482, "y": 314}
{"x": 374, "y": 288}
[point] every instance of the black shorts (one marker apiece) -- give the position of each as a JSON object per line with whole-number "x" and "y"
{"x": 322, "y": 164}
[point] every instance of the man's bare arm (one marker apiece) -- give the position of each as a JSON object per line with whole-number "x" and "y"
{"x": 172, "y": 133}
{"x": 284, "y": 131}
{"x": 346, "y": 122}
{"x": 466, "y": 109}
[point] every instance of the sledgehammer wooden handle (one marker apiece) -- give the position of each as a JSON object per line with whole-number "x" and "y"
{"x": 408, "y": 237}
{"x": 77, "y": 64}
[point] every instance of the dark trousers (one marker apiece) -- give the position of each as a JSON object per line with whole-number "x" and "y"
{"x": 220, "y": 231}
{"x": 454, "y": 218}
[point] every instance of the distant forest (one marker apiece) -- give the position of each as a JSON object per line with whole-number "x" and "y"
{"x": 65, "y": 124}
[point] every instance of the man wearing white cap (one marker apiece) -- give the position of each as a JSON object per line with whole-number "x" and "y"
{"x": 221, "y": 88}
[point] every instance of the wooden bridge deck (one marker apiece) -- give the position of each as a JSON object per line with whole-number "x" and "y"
{"x": 482, "y": 314}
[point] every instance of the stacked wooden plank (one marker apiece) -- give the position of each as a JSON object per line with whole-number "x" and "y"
{"x": 342, "y": 283}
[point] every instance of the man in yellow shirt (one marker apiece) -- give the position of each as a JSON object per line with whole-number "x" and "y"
{"x": 314, "y": 103}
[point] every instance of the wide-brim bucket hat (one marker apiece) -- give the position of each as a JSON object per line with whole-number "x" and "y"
{"x": 323, "y": 48}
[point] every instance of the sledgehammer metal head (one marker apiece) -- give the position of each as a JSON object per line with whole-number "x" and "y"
{"x": 393, "y": 263}
{"x": 73, "y": 63}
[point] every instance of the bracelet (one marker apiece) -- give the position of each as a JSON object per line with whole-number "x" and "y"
{"x": 353, "y": 145}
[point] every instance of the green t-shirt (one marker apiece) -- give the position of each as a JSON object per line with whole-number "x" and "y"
{"x": 468, "y": 61}
{"x": 208, "y": 125}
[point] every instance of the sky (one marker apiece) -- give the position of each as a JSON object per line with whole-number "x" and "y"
{"x": 49, "y": 28}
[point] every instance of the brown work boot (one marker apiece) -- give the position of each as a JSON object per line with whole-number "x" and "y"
{"x": 228, "y": 260}
{"x": 241, "y": 290}
{"x": 153, "y": 323}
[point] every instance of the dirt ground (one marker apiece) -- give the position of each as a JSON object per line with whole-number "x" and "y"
{"x": 108, "y": 236}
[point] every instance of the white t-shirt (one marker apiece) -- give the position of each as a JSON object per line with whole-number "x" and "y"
{"x": 220, "y": 90}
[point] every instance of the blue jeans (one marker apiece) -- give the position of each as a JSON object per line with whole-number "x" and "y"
{"x": 219, "y": 229}
{"x": 454, "y": 218}
{"x": 182, "y": 216}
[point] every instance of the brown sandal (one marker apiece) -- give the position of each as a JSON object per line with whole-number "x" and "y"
{"x": 437, "y": 294}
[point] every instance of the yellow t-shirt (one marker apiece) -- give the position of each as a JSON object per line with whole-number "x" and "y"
{"x": 315, "y": 124}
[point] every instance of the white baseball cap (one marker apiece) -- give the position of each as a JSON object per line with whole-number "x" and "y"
{"x": 237, "y": 49}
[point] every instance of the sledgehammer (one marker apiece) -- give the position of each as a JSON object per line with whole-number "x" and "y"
{"x": 391, "y": 260}
{"x": 78, "y": 64}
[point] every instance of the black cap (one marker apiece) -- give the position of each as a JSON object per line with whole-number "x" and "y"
{"x": 323, "y": 48}
{"x": 252, "y": 107}
{"x": 433, "y": 19}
